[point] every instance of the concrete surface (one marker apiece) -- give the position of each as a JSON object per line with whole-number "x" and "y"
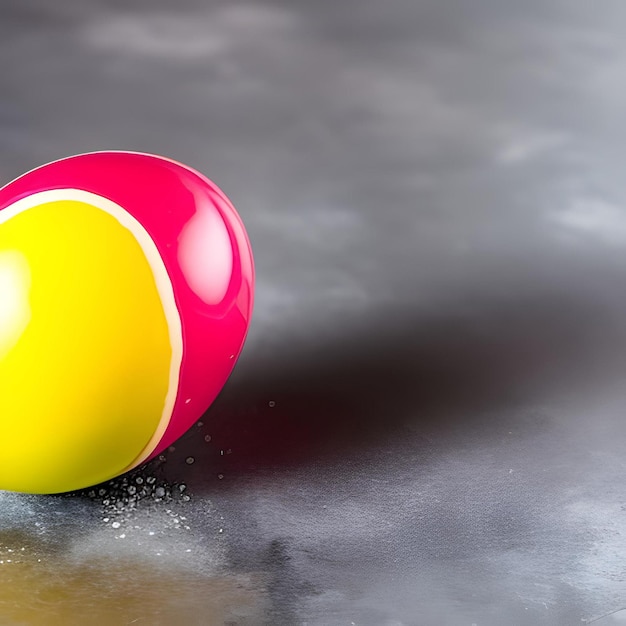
{"x": 427, "y": 426}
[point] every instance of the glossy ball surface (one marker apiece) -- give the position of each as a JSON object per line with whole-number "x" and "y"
{"x": 126, "y": 291}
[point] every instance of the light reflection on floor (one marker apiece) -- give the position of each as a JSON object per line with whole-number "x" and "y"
{"x": 119, "y": 591}
{"x": 119, "y": 554}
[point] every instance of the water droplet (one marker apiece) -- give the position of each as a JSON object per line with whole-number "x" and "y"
{"x": 139, "y": 480}
{"x": 221, "y": 530}
{"x": 151, "y": 533}
{"x": 272, "y": 404}
{"x": 162, "y": 457}
{"x": 207, "y": 438}
{"x": 171, "y": 449}
{"x": 186, "y": 498}
{"x": 189, "y": 460}
{"x": 159, "y": 492}
{"x": 123, "y": 536}
{"x": 229, "y": 451}
{"x": 200, "y": 424}
{"x": 115, "y": 525}
{"x": 132, "y": 490}
{"x": 188, "y": 400}
{"x": 220, "y": 476}
{"x": 151, "y": 480}
{"x": 182, "y": 487}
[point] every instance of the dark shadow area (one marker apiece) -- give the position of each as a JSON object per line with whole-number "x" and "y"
{"x": 397, "y": 373}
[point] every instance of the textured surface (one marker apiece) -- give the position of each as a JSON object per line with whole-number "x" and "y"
{"x": 427, "y": 424}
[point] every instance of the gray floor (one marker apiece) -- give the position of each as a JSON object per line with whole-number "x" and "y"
{"x": 427, "y": 425}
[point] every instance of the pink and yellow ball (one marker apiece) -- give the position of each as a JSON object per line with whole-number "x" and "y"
{"x": 126, "y": 290}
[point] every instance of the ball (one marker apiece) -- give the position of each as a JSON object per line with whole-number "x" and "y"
{"x": 126, "y": 291}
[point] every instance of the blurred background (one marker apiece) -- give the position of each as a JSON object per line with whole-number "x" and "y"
{"x": 427, "y": 424}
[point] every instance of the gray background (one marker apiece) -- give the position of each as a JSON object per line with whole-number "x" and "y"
{"x": 427, "y": 424}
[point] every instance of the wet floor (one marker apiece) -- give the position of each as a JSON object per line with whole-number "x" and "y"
{"x": 426, "y": 427}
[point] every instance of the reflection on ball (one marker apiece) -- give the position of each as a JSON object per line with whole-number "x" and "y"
{"x": 126, "y": 290}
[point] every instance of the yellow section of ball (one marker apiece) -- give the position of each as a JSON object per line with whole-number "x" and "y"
{"x": 84, "y": 348}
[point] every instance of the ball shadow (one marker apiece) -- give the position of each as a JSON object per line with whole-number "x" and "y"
{"x": 393, "y": 373}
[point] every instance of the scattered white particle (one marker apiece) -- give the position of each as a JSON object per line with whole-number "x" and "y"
{"x": 189, "y": 460}
{"x": 188, "y": 550}
{"x": 186, "y": 498}
{"x": 115, "y": 525}
{"x": 221, "y": 530}
{"x": 162, "y": 457}
{"x": 200, "y": 424}
{"x": 123, "y": 536}
{"x": 220, "y": 476}
{"x": 106, "y": 519}
{"x": 151, "y": 533}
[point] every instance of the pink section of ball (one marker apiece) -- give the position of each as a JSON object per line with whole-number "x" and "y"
{"x": 204, "y": 247}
